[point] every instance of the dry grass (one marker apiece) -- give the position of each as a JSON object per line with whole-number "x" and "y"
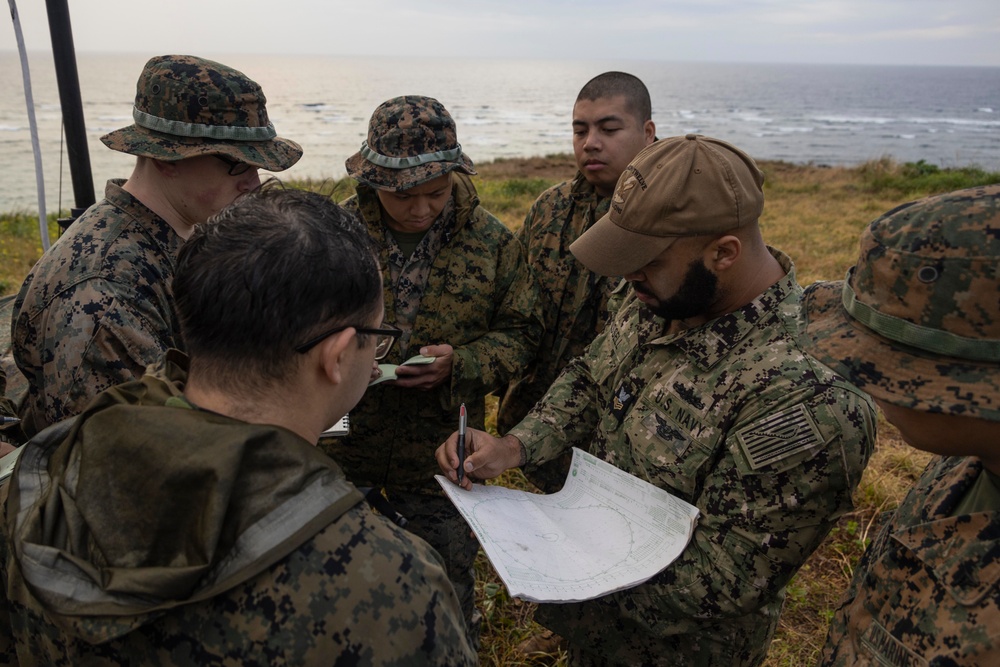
{"x": 815, "y": 214}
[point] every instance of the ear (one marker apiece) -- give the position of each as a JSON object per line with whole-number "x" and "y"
{"x": 332, "y": 353}
{"x": 723, "y": 253}
{"x": 649, "y": 130}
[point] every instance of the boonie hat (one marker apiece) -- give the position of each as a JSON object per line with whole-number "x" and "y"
{"x": 411, "y": 140}
{"x": 678, "y": 186}
{"x": 187, "y": 106}
{"x": 916, "y": 322}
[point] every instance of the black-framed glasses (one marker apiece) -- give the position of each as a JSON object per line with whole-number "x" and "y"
{"x": 236, "y": 168}
{"x": 384, "y": 338}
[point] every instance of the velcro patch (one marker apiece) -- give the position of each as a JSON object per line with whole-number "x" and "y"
{"x": 779, "y": 436}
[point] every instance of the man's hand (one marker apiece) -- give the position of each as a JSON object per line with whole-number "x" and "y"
{"x": 427, "y": 376}
{"x": 485, "y": 456}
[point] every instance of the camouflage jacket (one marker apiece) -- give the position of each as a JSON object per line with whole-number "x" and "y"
{"x": 574, "y": 299}
{"x": 222, "y": 560}
{"x": 735, "y": 418}
{"x": 481, "y": 300}
{"x": 927, "y": 590}
{"x": 96, "y": 309}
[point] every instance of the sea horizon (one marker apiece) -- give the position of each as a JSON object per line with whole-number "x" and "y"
{"x": 837, "y": 115}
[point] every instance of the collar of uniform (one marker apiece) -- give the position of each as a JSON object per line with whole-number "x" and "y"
{"x": 580, "y": 188}
{"x": 956, "y": 549}
{"x": 156, "y": 227}
{"x": 713, "y": 341}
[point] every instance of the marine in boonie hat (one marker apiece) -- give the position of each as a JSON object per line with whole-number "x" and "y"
{"x": 916, "y": 322}
{"x": 679, "y": 186}
{"x": 411, "y": 140}
{"x": 187, "y": 106}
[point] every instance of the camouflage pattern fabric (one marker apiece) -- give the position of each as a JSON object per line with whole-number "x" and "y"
{"x": 433, "y": 518}
{"x": 360, "y": 592}
{"x": 9, "y": 433}
{"x": 96, "y": 309}
{"x": 574, "y": 303}
{"x": 408, "y": 274}
{"x": 187, "y": 106}
{"x": 916, "y": 321}
{"x": 926, "y": 591}
{"x": 481, "y": 300}
{"x": 735, "y": 418}
{"x": 412, "y": 139}
{"x": 280, "y": 562}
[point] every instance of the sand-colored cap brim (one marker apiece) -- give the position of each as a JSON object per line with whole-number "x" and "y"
{"x": 894, "y": 372}
{"x": 396, "y": 180}
{"x": 276, "y": 154}
{"x": 609, "y": 250}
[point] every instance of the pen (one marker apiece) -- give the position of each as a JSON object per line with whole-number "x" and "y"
{"x": 461, "y": 443}
{"x": 15, "y": 420}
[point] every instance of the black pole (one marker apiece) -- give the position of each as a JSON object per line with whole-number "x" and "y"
{"x": 68, "y": 80}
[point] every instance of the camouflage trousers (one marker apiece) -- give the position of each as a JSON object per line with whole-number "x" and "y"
{"x": 434, "y": 519}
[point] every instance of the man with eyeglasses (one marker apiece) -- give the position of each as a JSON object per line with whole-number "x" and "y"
{"x": 97, "y": 308}
{"x": 246, "y": 545}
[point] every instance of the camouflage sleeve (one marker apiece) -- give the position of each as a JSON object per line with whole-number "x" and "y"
{"x": 762, "y": 517}
{"x": 567, "y": 415}
{"x": 515, "y": 329}
{"x": 93, "y": 339}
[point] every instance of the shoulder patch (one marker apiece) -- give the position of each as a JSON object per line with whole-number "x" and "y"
{"x": 779, "y": 436}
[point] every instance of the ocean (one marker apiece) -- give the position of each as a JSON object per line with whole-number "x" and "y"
{"x": 819, "y": 114}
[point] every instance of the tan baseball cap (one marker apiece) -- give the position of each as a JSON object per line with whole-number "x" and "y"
{"x": 678, "y": 186}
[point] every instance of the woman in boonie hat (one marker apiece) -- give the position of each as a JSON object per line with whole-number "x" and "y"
{"x": 457, "y": 285}
{"x": 916, "y": 324}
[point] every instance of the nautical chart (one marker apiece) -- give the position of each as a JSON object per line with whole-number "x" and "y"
{"x": 604, "y": 531}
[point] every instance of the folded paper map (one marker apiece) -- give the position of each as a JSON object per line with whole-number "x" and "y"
{"x": 604, "y": 531}
{"x": 389, "y": 370}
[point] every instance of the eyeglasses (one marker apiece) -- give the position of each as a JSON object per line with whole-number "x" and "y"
{"x": 236, "y": 168}
{"x": 384, "y": 338}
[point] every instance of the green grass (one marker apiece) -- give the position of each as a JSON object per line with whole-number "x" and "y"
{"x": 21, "y": 246}
{"x": 816, "y": 215}
{"x": 888, "y": 176}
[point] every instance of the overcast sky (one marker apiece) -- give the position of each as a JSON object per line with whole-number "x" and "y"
{"x": 896, "y": 32}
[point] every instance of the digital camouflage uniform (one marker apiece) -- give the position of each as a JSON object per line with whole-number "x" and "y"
{"x": 574, "y": 302}
{"x": 479, "y": 298}
{"x": 916, "y": 325}
{"x": 250, "y": 548}
{"x": 733, "y": 417}
{"x": 927, "y": 591}
{"x": 96, "y": 309}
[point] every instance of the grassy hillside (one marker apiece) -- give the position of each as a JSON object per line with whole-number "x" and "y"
{"x": 813, "y": 213}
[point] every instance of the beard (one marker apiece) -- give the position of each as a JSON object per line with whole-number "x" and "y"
{"x": 698, "y": 291}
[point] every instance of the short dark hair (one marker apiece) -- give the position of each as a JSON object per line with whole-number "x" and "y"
{"x": 264, "y": 275}
{"x": 611, "y": 84}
